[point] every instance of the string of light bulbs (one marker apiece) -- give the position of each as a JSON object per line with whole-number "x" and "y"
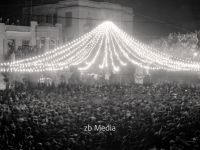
{"x": 114, "y": 45}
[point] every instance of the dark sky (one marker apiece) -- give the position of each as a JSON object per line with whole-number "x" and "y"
{"x": 153, "y": 18}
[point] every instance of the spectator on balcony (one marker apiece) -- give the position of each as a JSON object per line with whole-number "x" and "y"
{"x": 7, "y": 21}
{"x": 18, "y": 22}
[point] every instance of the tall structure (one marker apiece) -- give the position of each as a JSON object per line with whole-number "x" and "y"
{"x": 80, "y": 16}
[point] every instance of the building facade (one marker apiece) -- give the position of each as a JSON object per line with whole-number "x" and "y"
{"x": 52, "y": 25}
{"x": 80, "y": 16}
{"x": 21, "y": 41}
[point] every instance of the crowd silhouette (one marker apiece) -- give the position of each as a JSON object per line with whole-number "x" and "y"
{"x": 8, "y": 22}
{"x": 40, "y": 117}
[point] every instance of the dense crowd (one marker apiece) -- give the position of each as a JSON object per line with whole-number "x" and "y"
{"x": 26, "y": 51}
{"x": 165, "y": 116}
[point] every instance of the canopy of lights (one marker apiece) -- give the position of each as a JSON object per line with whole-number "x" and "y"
{"x": 106, "y": 46}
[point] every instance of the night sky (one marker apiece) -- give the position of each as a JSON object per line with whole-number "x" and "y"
{"x": 153, "y": 18}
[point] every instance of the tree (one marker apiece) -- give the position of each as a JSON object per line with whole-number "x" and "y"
{"x": 180, "y": 45}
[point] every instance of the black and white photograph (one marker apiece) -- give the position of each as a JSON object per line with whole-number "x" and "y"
{"x": 99, "y": 75}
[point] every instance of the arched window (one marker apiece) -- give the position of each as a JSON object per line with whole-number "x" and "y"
{"x": 52, "y": 44}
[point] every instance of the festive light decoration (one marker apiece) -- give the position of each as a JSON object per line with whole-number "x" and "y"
{"x": 89, "y": 64}
{"x": 106, "y": 46}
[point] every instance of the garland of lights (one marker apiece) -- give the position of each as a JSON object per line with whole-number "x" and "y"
{"x": 137, "y": 54}
{"x": 91, "y": 62}
{"x": 162, "y": 58}
{"x": 89, "y": 52}
{"x": 114, "y": 45}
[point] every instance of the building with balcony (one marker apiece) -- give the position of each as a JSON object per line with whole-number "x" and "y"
{"x": 25, "y": 41}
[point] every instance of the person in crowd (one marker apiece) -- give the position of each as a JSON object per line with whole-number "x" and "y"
{"x": 159, "y": 117}
{"x": 7, "y": 21}
{"x": 18, "y": 22}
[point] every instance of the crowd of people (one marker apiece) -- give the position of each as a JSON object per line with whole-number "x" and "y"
{"x": 153, "y": 117}
{"x": 26, "y": 51}
{"x": 8, "y": 22}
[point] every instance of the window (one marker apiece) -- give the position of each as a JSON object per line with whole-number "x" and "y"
{"x": 49, "y": 19}
{"x": 25, "y": 46}
{"x": 11, "y": 46}
{"x": 52, "y": 44}
{"x": 41, "y": 19}
{"x": 42, "y": 43}
{"x": 68, "y": 18}
{"x": 54, "y": 18}
{"x": 25, "y": 43}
